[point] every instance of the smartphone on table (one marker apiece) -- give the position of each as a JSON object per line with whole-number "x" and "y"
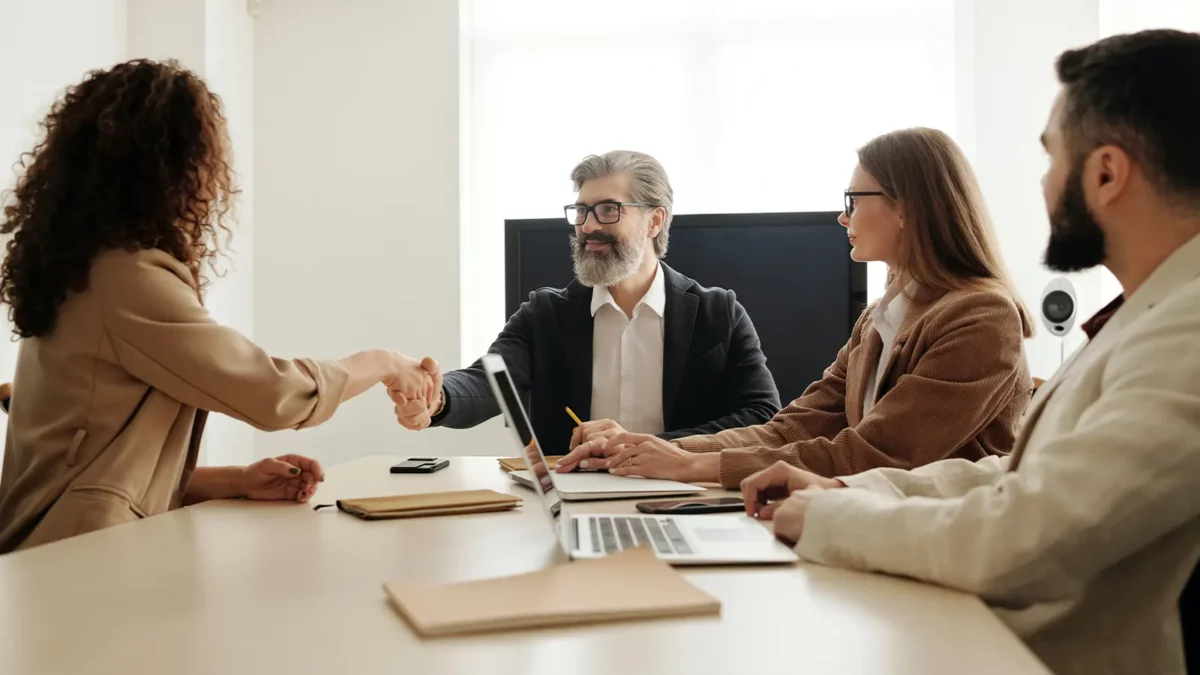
{"x": 680, "y": 507}
{"x": 420, "y": 465}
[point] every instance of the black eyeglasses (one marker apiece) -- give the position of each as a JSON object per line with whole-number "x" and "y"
{"x": 606, "y": 213}
{"x": 851, "y": 196}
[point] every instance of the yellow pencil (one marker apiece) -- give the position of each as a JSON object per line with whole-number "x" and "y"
{"x": 574, "y": 416}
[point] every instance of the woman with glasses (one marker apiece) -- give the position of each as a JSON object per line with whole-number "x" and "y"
{"x": 934, "y": 369}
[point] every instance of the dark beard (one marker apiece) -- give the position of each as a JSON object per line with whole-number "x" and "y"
{"x": 1076, "y": 240}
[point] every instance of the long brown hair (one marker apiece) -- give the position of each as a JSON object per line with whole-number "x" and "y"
{"x": 134, "y": 157}
{"x": 948, "y": 242}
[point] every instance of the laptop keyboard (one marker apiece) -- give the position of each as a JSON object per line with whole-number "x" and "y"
{"x": 612, "y": 534}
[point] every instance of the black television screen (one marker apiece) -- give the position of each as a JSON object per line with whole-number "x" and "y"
{"x": 791, "y": 271}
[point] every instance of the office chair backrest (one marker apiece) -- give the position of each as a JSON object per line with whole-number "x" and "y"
{"x": 1189, "y": 620}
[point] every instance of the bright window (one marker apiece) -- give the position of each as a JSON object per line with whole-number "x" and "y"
{"x": 751, "y": 106}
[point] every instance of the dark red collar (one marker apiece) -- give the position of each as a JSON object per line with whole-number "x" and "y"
{"x": 1093, "y": 325}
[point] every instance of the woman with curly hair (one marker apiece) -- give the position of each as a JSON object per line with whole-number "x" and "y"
{"x": 112, "y": 227}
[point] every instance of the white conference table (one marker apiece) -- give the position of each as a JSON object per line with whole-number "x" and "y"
{"x": 241, "y": 587}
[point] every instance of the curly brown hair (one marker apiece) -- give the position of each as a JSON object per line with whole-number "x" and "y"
{"x": 134, "y": 157}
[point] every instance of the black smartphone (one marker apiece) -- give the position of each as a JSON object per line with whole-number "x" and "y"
{"x": 689, "y": 506}
{"x": 420, "y": 465}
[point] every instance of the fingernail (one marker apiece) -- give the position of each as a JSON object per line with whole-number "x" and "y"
{"x": 293, "y": 471}
{"x": 583, "y": 464}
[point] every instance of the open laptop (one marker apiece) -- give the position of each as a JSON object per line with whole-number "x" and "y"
{"x": 586, "y": 485}
{"x": 679, "y": 540}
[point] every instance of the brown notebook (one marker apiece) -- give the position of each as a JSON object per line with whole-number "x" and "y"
{"x": 518, "y": 463}
{"x": 430, "y": 504}
{"x": 632, "y": 584}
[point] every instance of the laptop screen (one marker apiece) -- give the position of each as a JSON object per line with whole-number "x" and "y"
{"x": 514, "y": 413}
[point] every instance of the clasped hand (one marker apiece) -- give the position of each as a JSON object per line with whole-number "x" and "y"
{"x": 607, "y": 446}
{"x": 416, "y": 392}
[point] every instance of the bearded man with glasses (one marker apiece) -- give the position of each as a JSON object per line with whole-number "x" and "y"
{"x": 630, "y": 344}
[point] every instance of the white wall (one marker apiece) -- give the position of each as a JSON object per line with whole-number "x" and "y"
{"x": 44, "y": 47}
{"x": 167, "y": 29}
{"x": 1123, "y": 16}
{"x": 1007, "y": 85}
{"x": 215, "y": 39}
{"x": 357, "y": 202}
{"x": 229, "y": 70}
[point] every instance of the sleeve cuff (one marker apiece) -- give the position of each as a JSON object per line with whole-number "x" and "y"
{"x": 331, "y": 378}
{"x": 871, "y": 480}
{"x": 438, "y": 418}
{"x": 838, "y": 530}
{"x": 702, "y": 443}
{"x": 738, "y": 464}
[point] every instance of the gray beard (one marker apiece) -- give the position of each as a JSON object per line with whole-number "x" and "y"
{"x": 606, "y": 269}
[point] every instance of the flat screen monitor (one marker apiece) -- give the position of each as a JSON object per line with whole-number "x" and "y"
{"x": 791, "y": 271}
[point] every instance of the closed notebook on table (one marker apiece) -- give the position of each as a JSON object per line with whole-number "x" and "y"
{"x": 518, "y": 463}
{"x": 632, "y": 584}
{"x": 428, "y": 504}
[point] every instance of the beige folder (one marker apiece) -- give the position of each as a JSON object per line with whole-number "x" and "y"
{"x": 518, "y": 463}
{"x": 632, "y": 584}
{"x": 429, "y": 504}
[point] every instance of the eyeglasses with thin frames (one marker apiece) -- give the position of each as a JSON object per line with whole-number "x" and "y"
{"x": 605, "y": 213}
{"x": 851, "y": 196}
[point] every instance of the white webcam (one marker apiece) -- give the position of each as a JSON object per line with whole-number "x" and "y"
{"x": 1059, "y": 306}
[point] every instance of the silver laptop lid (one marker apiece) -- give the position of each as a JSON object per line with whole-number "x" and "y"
{"x": 514, "y": 413}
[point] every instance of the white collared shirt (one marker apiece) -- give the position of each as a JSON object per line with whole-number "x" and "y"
{"x": 627, "y": 359}
{"x": 886, "y": 317}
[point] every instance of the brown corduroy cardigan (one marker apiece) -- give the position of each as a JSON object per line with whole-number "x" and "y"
{"x": 955, "y": 385}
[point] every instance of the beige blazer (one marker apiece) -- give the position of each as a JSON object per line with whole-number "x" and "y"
{"x": 108, "y": 410}
{"x": 955, "y": 384}
{"x": 1083, "y": 538}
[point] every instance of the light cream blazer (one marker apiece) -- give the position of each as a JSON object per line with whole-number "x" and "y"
{"x": 1084, "y": 537}
{"x": 108, "y": 410}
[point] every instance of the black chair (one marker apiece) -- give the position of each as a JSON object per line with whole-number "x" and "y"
{"x": 1189, "y": 620}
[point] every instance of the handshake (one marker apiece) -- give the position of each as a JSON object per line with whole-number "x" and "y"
{"x": 415, "y": 388}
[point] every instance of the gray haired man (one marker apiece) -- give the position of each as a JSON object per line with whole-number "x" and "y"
{"x": 630, "y": 345}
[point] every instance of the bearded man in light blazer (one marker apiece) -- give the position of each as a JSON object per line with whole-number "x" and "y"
{"x": 1081, "y": 540}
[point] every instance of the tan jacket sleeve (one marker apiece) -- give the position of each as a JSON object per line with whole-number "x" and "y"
{"x": 161, "y": 334}
{"x": 964, "y": 378}
{"x": 820, "y": 412}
